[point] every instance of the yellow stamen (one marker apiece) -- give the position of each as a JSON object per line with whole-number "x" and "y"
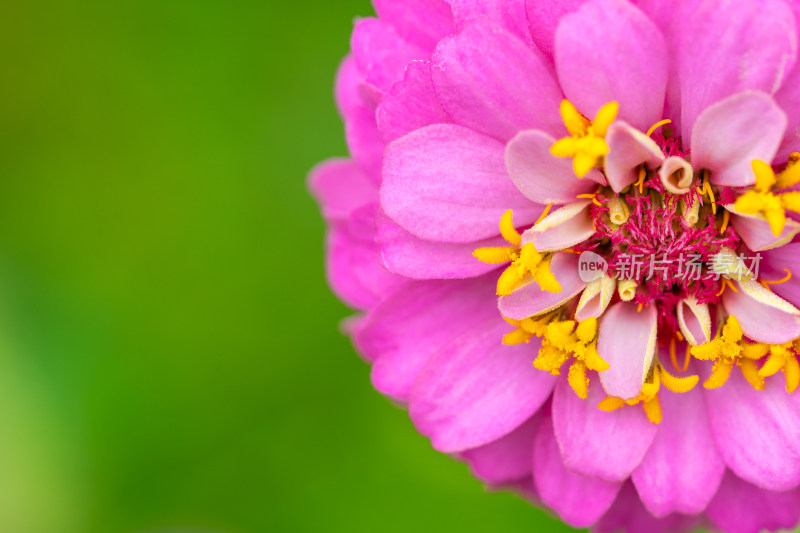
{"x": 547, "y": 209}
{"x": 687, "y": 358}
{"x": 611, "y": 404}
{"x": 507, "y": 229}
{"x": 725, "y": 219}
{"x": 767, "y": 283}
{"x": 727, "y": 283}
{"x": 657, "y": 125}
{"x": 672, "y": 355}
{"x": 648, "y": 397}
{"x": 642, "y": 176}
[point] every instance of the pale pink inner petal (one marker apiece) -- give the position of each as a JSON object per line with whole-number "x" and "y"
{"x": 730, "y": 134}
{"x": 756, "y": 232}
{"x": 539, "y": 175}
{"x": 764, "y": 316}
{"x": 676, "y": 175}
{"x": 627, "y": 343}
{"x": 565, "y": 227}
{"x": 628, "y": 150}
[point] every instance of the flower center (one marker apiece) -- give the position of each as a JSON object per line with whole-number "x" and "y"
{"x": 666, "y": 243}
{"x": 664, "y": 238}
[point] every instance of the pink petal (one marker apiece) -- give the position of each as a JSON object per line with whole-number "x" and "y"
{"x": 410, "y": 104}
{"x": 508, "y": 459}
{"x": 756, "y": 232}
{"x": 764, "y": 316}
{"x": 381, "y": 54}
{"x": 772, "y": 268}
{"x": 597, "y": 443}
{"x": 347, "y": 93}
{"x": 629, "y": 149}
{"x": 694, "y": 320}
{"x": 746, "y": 45}
{"x": 789, "y": 99}
{"x": 422, "y": 22}
{"x": 757, "y": 432}
{"x": 341, "y": 187}
{"x": 629, "y": 515}
{"x": 731, "y": 133}
{"x": 627, "y": 343}
{"x": 412, "y": 257}
{"x": 354, "y": 269}
{"x": 363, "y": 140}
{"x": 477, "y": 389}
{"x": 406, "y": 330}
{"x": 492, "y": 82}
{"x": 682, "y": 468}
{"x": 610, "y": 51}
{"x": 564, "y": 227}
{"x": 671, "y": 19}
{"x": 540, "y": 176}
{"x": 530, "y": 300}
{"x": 509, "y": 14}
{"x": 579, "y": 500}
{"x": 740, "y": 507}
{"x": 544, "y": 17}
{"x": 447, "y": 183}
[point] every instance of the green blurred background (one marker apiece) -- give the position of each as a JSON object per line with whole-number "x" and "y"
{"x": 170, "y": 358}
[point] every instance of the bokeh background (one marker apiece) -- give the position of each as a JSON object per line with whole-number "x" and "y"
{"x": 170, "y": 359}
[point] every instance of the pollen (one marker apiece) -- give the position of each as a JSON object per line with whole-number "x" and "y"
{"x": 562, "y": 342}
{"x": 586, "y": 144}
{"x": 729, "y": 349}
{"x": 783, "y": 357}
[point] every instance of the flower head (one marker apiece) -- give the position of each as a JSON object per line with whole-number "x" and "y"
{"x": 545, "y": 304}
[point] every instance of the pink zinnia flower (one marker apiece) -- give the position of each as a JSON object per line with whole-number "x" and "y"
{"x": 611, "y": 170}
